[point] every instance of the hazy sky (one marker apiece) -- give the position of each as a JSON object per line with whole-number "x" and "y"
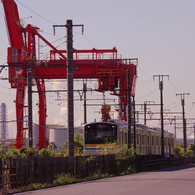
{"x": 160, "y": 33}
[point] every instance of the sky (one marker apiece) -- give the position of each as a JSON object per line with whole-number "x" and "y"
{"x": 160, "y": 33}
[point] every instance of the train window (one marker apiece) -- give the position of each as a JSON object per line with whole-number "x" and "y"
{"x": 143, "y": 139}
{"x": 165, "y": 141}
{"x": 125, "y": 138}
{"x": 152, "y": 140}
{"x": 148, "y": 140}
{"x": 100, "y": 133}
{"x": 120, "y": 137}
{"x": 172, "y": 142}
{"x": 137, "y": 139}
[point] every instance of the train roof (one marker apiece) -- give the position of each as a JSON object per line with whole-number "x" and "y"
{"x": 124, "y": 124}
{"x": 140, "y": 126}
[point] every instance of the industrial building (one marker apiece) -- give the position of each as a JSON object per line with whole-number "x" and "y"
{"x": 55, "y": 133}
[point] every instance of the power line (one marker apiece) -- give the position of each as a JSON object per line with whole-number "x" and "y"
{"x": 35, "y": 12}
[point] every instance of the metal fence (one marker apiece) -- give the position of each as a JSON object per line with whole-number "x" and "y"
{"x": 19, "y": 172}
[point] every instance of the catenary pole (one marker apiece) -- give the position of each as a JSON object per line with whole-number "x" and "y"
{"x": 129, "y": 107}
{"x": 70, "y": 77}
{"x": 85, "y": 102}
{"x": 184, "y": 120}
{"x": 70, "y": 87}
{"x": 30, "y": 140}
{"x": 161, "y": 109}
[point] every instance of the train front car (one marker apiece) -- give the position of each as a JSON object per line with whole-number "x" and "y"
{"x": 97, "y": 135}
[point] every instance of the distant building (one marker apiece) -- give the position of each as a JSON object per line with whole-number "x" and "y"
{"x": 54, "y": 133}
{"x": 60, "y": 135}
{"x": 36, "y": 134}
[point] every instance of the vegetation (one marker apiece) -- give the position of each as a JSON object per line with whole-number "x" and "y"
{"x": 121, "y": 152}
{"x": 52, "y": 146}
{"x": 51, "y": 151}
{"x": 98, "y": 176}
{"x": 179, "y": 150}
{"x": 78, "y": 146}
{"x": 64, "y": 179}
{"x": 33, "y": 186}
{"x": 129, "y": 170}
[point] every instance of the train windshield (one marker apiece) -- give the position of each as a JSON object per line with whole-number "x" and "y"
{"x": 100, "y": 133}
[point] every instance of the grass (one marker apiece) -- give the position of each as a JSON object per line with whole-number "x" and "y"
{"x": 32, "y": 186}
{"x": 129, "y": 170}
{"x": 64, "y": 179}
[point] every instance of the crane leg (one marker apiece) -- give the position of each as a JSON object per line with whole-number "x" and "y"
{"x": 21, "y": 87}
{"x": 43, "y": 141}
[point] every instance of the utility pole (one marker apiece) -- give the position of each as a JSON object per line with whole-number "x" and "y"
{"x": 134, "y": 127}
{"x": 184, "y": 120}
{"x": 161, "y": 109}
{"x": 145, "y": 109}
{"x": 69, "y": 61}
{"x": 85, "y": 104}
{"x": 129, "y": 106}
{"x": 194, "y": 134}
{"x": 175, "y": 129}
{"x": 194, "y": 126}
{"x": 30, "y": 140}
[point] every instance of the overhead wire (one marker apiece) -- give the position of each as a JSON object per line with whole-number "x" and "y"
{"x": 50, "y": 22}
{"x": 3, "y": 54}
{"x": 144, "y": 71}
{"x": 35, "y": 12}
{"x": 146, "y": 94}
{"x": 174, "y": 87}
{"x": 86, "y": 38}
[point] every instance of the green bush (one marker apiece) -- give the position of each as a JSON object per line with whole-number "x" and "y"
{"x": 37, "y": 186}
{"x": 121, "y": 152}
{"x": 52, "y": 146}
{"x": 129, "y": 170}
{"x": 78, "y": 146}
{"x": 32, "y": 186}
{"x": 46, "y": 153}
{"x": 98, "y": 176}
{"x": 64, "y": 179}
{"x": 12, "y": 153}
{"x": 27, "y": 152}
{"x": 179, "y": 150}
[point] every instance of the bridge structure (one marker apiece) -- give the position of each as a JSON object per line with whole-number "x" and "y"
{"x": 22, "y": 54}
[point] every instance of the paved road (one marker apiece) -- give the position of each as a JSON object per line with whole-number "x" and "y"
{"x": 173, "y": 181}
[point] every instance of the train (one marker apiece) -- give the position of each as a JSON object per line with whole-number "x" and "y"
{"x": 148, "y": 140}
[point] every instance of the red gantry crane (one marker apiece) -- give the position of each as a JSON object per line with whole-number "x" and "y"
{"x": 110, "y": 73}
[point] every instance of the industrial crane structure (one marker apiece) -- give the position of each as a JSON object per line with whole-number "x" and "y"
{"x": 22, "y": 55}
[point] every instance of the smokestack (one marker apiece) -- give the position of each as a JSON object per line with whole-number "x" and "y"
{"x": 3, "y": 121}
